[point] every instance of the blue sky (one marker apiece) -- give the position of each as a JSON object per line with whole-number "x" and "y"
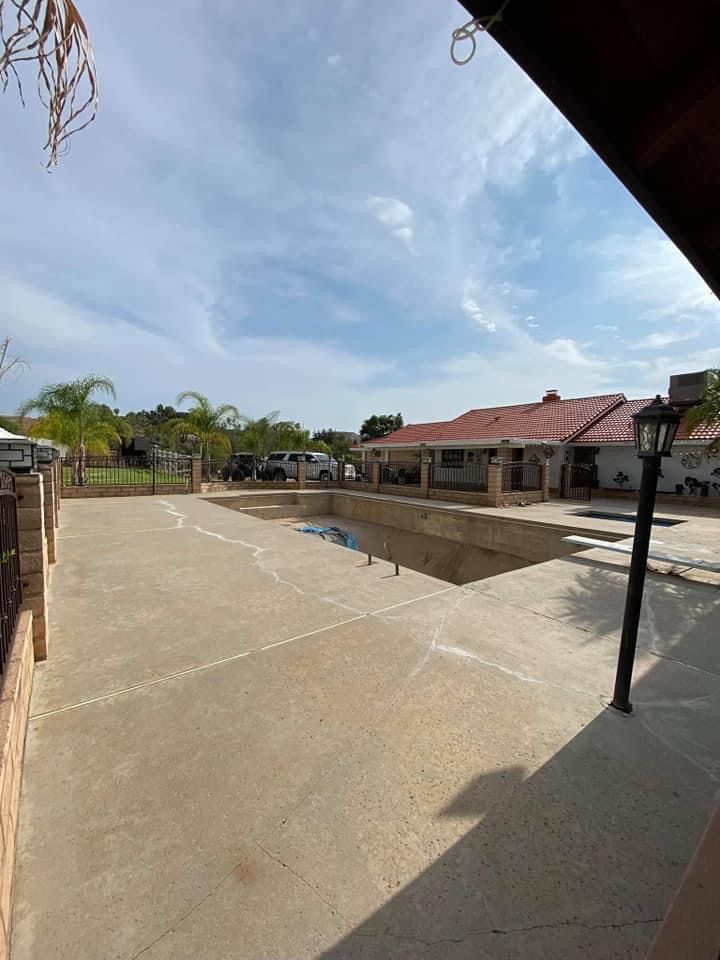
{"x": 310, "y": 208}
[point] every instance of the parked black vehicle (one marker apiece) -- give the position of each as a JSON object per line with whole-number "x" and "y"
{"x": 240, "y": 466}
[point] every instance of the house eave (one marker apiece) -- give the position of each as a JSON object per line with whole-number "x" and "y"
{"x": 461, "y": 444}
{"x": 685, "y": 441}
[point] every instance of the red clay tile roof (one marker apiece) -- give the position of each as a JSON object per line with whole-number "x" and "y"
{"x": 556, "y": 420}
{"x": 411, "y": 433}
{"x": 617, "y": 427}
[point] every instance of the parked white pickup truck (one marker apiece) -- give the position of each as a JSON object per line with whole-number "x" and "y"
{"x": 282, "y": 465}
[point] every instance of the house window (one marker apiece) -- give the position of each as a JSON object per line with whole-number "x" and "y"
{"x": 453, "y": 458}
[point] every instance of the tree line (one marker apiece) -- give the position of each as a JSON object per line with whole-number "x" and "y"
{"x": 77, "y": 415}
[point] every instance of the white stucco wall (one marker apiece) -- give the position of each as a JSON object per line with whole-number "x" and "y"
{"x": 555, "y": 462}
{"x": 612, "y": 459}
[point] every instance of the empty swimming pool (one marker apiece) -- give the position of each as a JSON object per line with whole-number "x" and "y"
{"x": 453, "y": 545}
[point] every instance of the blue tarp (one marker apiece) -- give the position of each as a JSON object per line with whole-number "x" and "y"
{"x": 334, "y": 534}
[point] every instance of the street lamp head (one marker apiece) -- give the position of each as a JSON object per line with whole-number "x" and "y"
{"x": 655, "y": 429}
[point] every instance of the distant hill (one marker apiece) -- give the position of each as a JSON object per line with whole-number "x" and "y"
{"x": 20, "y": 425}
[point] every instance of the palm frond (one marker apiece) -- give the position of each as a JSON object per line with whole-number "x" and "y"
{"x": 708, "y": 410}
{"x": 52, "y": 33}
{"x": 224, "y": 411}
{"x": 200, "y": 399}
{"x": 73, "y": 395}
{"x": 93, "y": 383}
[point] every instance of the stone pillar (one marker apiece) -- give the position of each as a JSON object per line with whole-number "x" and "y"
{"x": 495, "y": 482}
{"x": 48, "y": 479}
{"x": 545, "y": 481}
{"x": 33, "y": 556}
{"x": 341, "y": 472}
{"x": 301, "y": 474}
{"x": 425, "y": 464}
{"x": 195, "y": 474}
{"x": 375, "y": 467}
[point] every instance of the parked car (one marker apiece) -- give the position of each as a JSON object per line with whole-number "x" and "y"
{"x": 240, "y": 466}
{"x": 282, "y": 465}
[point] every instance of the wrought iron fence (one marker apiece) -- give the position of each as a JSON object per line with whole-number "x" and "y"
{"x": 213, "y": 470}
{"x": 358, "y": 470}
{"x": 522, "y": 476}
{"x": 160, "y": 469}
{"x": 10, "y": 586}
{"x": 401, "y": 473}
{"x": 469, "y": 477}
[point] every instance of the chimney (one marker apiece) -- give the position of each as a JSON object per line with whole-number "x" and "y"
{"x": 550, "y": 396}
{"x": 687, "y": 389}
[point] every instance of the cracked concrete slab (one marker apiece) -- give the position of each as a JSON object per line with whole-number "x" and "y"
{"x": 249, "y": 746}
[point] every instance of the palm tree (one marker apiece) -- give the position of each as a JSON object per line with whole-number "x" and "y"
{"x": 267, "y": 433}
{"x": 291, "y": 436}
{"x": 205, "y": 422}
{"x": 259, "y": 436}
{"x": 70, "y": 415}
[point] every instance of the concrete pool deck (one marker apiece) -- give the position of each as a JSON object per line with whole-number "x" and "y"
{"x": 248, "y": 744}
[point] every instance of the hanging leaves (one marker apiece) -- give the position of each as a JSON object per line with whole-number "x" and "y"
{"x": 52, "y": 33}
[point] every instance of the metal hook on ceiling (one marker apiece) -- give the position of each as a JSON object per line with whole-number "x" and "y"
{"x": 468, "y": 30}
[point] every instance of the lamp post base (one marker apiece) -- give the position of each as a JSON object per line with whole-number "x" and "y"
{"x": 622, "y": 707}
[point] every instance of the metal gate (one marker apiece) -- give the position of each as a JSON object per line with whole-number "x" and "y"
{"x": 576, "y": 481}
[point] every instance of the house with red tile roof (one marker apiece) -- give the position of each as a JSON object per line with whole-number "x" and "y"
{"x": 525, "y": 432}
{"x": 596, "y": 431}
{"x": 610, "y": 446}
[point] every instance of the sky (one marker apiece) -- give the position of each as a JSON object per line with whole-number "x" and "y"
{"x": 309, "y": 208}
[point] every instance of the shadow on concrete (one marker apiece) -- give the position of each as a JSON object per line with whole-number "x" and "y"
{"x": 580, "y": 859}
{"x": 677, "y": 616}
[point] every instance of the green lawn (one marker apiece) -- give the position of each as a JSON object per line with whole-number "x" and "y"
{"x": 123, "y": 476}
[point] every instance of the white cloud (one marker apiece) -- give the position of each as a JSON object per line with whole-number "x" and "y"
{"x": 569, "y": 351}
{"x": 531, "y": 321}
{"x": 205, "y": 245}
{"x": 111, "y": 347}
{"x": 490, "y": 305}
{"x": 473, "y": 311}
{"x": 391, "y": 212}
{"x": 606, "y": 327}
{"x": 394, "y": 214}
{"x": 648, "y": 270}
{"x": 656, "y": 341}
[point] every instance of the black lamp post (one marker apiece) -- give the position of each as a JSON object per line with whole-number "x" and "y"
{"x": 655, "y": 429}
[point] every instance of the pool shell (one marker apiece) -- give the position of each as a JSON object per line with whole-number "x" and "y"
{"x": 451, "y": 544}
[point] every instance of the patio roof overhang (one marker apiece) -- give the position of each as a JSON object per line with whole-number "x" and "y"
{"x": 491, "y": 443}
{"x": 640, "y": 81}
